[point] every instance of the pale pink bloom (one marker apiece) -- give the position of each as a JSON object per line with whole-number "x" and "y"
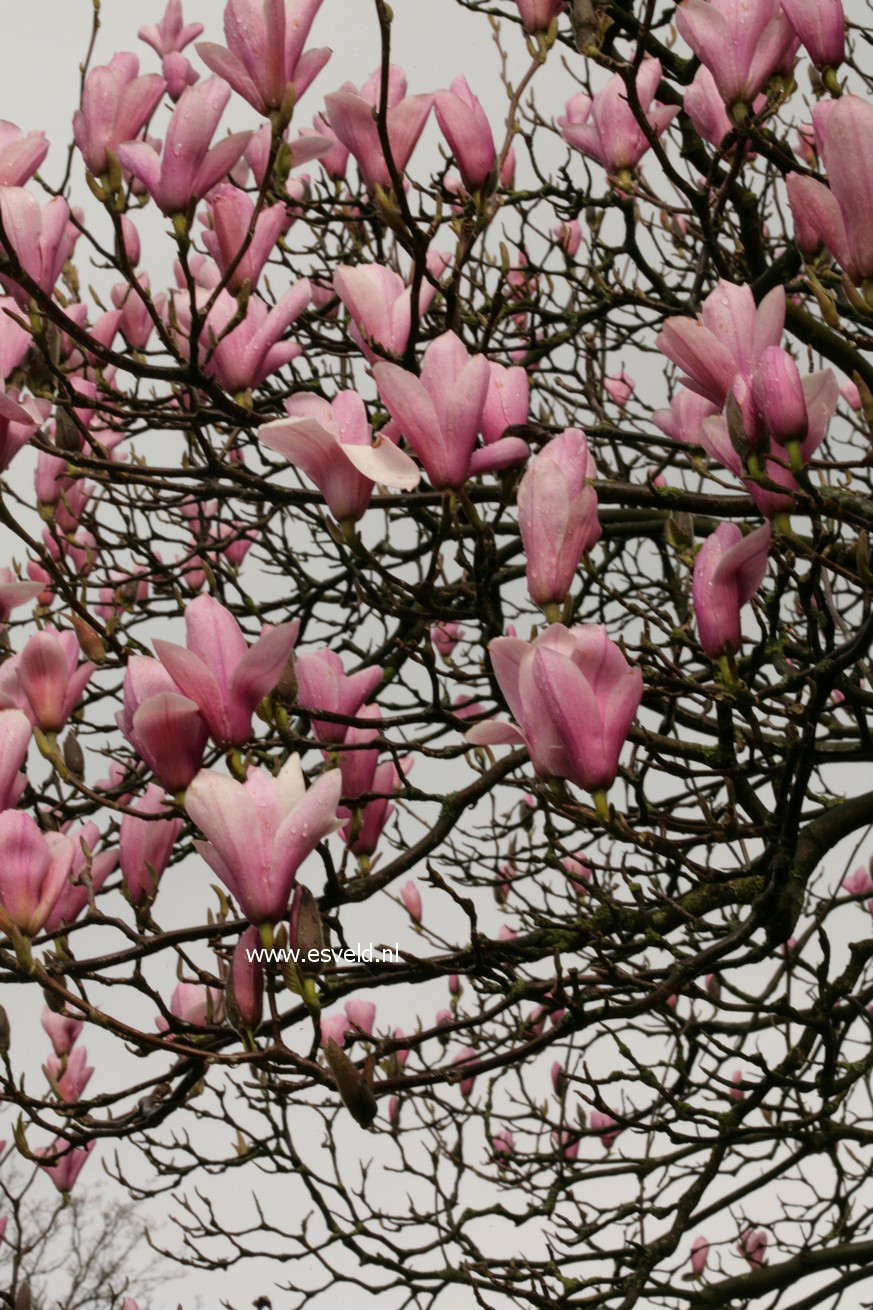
{"x": 445, "y": 637}
{"x": 171, "y": 34}
{"x": 699, "y": 1255}
{"x": 68, "y": 1076}
{"x": 557, "y": 515}
{"x": 20, "y": 155}
{"x": 350, "y": 117}
{"x": 573, "y": 696}
{"x": 605, "y": 127}
{"x": 607, "y": 1126}
{"x": 195, "y": 1004}
{"x": 88, "y": 863}
{"x": 333, "y": 1028}
{"x": 63, "y": 1031}
{"x": 728, "y": 571}
{"x": 361, "y": 1015}
{"x": 259, "y": 832}
{"x": 464, "y": 124}
{"x": 753, "y": 1247}
{"x": 741, "y": 44}
{"x": 145, "y": 846}
{"x": 220, "y": 673}
{"x": 116, "y": 105}
{"x": 265, "y": 54}
{"x": 620, "y": 387}
{"x": 440, "y": 413}
{"x": 188, "y": 169}
{"x": 333, "y": 445}
{"x": 411, "y": 898}
{"x": 69, "y": 1162}
{"x": 323, "y": 684}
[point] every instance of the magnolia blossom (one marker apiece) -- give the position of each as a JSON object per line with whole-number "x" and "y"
{"x": 605, "y": 127}
{"x": 440, "y": 413}
{"x": 259, "y": 832}
{"x": 333, "y": 445}
{"x": 573, "y": 696}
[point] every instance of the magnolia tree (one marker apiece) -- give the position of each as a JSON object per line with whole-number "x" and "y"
{"x": 435, "y": 649}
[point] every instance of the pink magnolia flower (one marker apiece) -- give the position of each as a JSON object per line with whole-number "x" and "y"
{"x": 858, "y": 883}
{"x": 851, "y": 395}
{"x": 578, "y": 872}
{"x": 143, "y": 677}
{"x": 779, "y": 397}
{"x": 137, "y": 323}
{"x": 323, "y": 684}
{"x": 87, "y": 863}
{"x": 194, "y": 1004}
{"x": 15, "y": 341}
{"x": 607, "y": 1126}
{"x": 728, "y": 338}
{"x": 507, "y": 401}
{"x": 50, "y": 677}
{"x": 231, "y": 212}
{"x": 821, "y": 394}
{"x": 682, "y": 420}
{"x": 557, "y": 515}
{"x": 736, "y": 1092}
{"x": 18, "y": 421}
{"x": 333, "y": 445}
{"x": 362, "y": 838}
{"x": 247, "y": 354}
{"x": 821, "y": 27}
{"x": 63, "y": 1031}
{"x": 145, "y": 846}
{"x": 20, "y": 155}
{"x": 350, "y": 117}
{"x": 171, "y": 34}
{"x": 741, "y": 44}
{"x": 245, "y": 987}
{"x": 15, "y": 733}
{"x": 188, "y": 169}
{"x": 619, "y": 387}
{"x": 753, "y": 1247}
{"x": 728, "y": 571}
{"x": 569, "y": 237}
{"x": 265, "y": 55}
{"x": 464, "y": 124}
{"x": 116, "y": 105}
{"x": 699, "y": 1256}
{"x": 358, "y": 766}
{"x": 411, "y": 898}
{"x": 704, "y": 106}
{"x": 440, "y": 413}
{"x": 68, "y": 1076}
{"x": 566, "y": 1142}
{"x": 361, "y": 1015}
{"x": 39, "y": 237}
{"x": 224, "y": 677}
{"x": 503, "y": 1144}
{"x": 537, "y": 15}
{"x": 605, "y": 128}
{"x": 573, "y": 696}
{"x": 838, "y": 217}
{"x": 445, "y": 637}
{"x": 34, "y": 867}
{"x": 380, "y": 304}
{"x": 464, "y": 1057}
{"x": 69, "y": 1162}
{"x": 335, "y": 1026}
{"x": 170, "y": 735}
{"x": 259, "y": 832}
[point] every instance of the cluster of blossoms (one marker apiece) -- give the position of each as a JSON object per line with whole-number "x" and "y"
{"x": 363, "y": 490}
